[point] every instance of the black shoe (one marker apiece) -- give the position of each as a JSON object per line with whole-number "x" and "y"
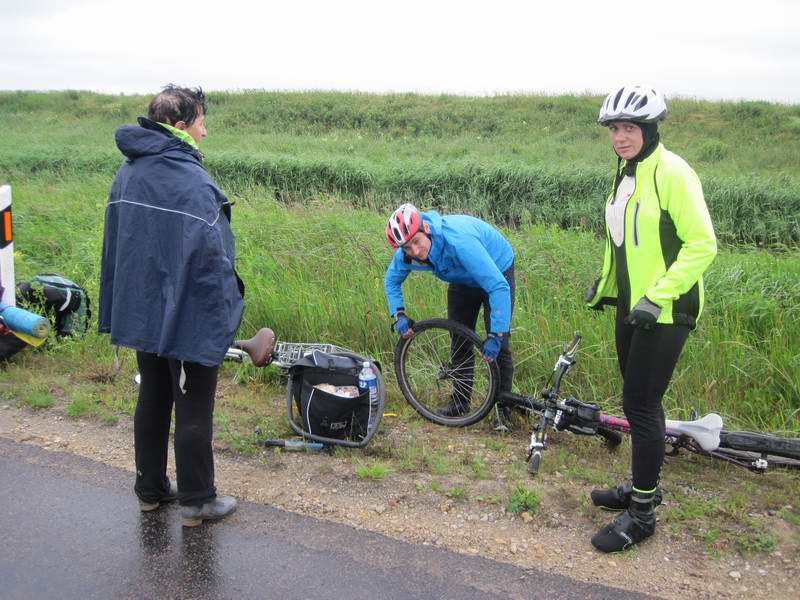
{"x": 171, "y": 496}
{"x": 214, "y": 510}
{"x": 619, "y": 498}
{"x": 631, "y": 527}
{"x": 454, "y": 408}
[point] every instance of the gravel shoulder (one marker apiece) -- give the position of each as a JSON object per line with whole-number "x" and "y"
{"x": 402, "y": 506}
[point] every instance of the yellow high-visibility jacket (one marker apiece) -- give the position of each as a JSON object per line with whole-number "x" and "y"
{"x": 669, "y": 242}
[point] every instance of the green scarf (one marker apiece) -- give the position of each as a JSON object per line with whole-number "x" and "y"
{"x": 180, "y": 134}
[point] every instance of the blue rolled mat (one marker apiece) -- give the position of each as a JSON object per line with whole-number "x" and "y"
{"x": 23, "y": 321}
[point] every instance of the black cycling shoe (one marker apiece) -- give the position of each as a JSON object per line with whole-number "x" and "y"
{"x": 619, "y": 498}
{"x": 631, "y": 527}
{"x": 454, "y": 408}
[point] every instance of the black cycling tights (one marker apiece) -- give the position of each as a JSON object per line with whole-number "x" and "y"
{"x": 463, "y": 305}
{"x": 647, "y": 359}
{"x": 190, "y": 388}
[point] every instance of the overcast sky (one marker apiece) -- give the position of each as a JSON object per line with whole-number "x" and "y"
{"x": 702, "y": 48}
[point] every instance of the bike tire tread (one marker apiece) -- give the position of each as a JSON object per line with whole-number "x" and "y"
{"x": 748, "y": 441}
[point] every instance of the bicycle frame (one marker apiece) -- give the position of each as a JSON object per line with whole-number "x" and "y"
{"x": 285, "y": 354}
{"x": 703, "y": 436}
{"x": 429, "y": 384}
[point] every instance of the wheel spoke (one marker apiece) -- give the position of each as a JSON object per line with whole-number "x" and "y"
{"x": 440, "y": 370}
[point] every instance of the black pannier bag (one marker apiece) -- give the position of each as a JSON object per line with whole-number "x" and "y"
{"x": 64, "y": 301}
{"x": 319, "y": 406}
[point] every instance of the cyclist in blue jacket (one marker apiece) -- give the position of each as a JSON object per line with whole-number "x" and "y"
{"x": 478, "y": 264}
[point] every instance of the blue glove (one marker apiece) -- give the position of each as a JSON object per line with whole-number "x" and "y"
{"x": 402, "y": 324}
{"x": 491, "y": 346}
{"x": 644, "y": 315}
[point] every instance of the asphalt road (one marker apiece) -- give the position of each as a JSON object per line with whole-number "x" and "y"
{"x": 70, "y": 528}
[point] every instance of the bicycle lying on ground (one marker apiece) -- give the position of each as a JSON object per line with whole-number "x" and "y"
{"x": 323, "y": 403}
{"x": 431, "y": 382}
{"x": 263, "y": 349}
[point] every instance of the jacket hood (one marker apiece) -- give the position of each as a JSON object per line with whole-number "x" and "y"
{"x": 145, "y": 139}
{"x": 434, "y": 219}
{"x": 651, "y": 139}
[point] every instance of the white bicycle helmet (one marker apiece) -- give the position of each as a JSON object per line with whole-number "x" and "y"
{"x": 634, "y": 102}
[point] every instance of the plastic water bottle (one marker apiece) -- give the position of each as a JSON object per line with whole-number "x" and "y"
{"x": 367, "y": 380}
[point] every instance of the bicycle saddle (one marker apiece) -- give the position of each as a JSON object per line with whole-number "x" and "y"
{"x": 704, "y": 431}
{"x": 259, "y": 347}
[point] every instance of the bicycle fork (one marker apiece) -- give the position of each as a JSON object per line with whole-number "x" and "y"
{"x": 539, "y": 441}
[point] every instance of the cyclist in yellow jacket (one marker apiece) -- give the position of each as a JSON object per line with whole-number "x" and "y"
{"x": 659, "y": 241}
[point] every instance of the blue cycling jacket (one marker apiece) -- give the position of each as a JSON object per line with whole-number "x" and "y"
{"x": 465, "y": 251}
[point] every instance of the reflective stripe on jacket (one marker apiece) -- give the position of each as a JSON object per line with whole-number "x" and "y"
{"x": 669, "y": 241}
{"x": 168, "y": 285}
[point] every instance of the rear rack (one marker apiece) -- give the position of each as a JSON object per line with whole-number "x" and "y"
{"x": 287, "y": 353}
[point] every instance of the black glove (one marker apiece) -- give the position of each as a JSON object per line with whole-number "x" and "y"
{"x": 644, "y": 315}
{"x": 591, "y": 291}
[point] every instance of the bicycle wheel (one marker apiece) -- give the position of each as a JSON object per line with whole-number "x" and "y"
{"x": 755, "y": 461}
{"x": 443, "y": 375}
{"x": 775, "y": 450}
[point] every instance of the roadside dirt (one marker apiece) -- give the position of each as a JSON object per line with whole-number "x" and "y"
{"x": 403, "y": 506}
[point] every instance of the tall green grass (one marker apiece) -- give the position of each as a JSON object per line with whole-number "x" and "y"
{"x": 512, "y": 159}
{"x": 314, "y": 272}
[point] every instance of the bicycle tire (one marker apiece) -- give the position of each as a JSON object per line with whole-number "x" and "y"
{"x": 762, "y": 443}
{"x": 423, "y": 364}
{"x": 534, "y": 463}
{"x": 748, "y": 459}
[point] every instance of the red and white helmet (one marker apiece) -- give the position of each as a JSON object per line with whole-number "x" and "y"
{"x": 404, "y": 223}
{"x": 638, "y": 103}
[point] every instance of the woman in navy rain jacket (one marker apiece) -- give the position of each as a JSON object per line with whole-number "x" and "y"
{"x": 169, "y": 290}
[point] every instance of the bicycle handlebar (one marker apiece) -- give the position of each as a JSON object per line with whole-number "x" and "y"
{"x": 572, "y": 347}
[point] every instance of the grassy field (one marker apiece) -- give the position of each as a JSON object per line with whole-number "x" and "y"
{"x": 743, "y": 361}
{"x": 312, "y": 176}
{"x": 314, "y": 272}
{"x": 514, "y": 159}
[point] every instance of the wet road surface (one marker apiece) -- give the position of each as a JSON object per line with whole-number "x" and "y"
{"x": 70, "y": 528}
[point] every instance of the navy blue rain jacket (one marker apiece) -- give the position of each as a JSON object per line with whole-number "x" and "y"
{"x": 167, "y": 281}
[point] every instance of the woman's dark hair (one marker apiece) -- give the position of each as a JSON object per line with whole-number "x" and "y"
{"x": 175, "y": 104}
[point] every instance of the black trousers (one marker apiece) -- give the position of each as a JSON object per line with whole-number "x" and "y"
{"x": 647, "y": 359}
{"x": 190, "y": 388}
{"x": 463, "y": 305}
